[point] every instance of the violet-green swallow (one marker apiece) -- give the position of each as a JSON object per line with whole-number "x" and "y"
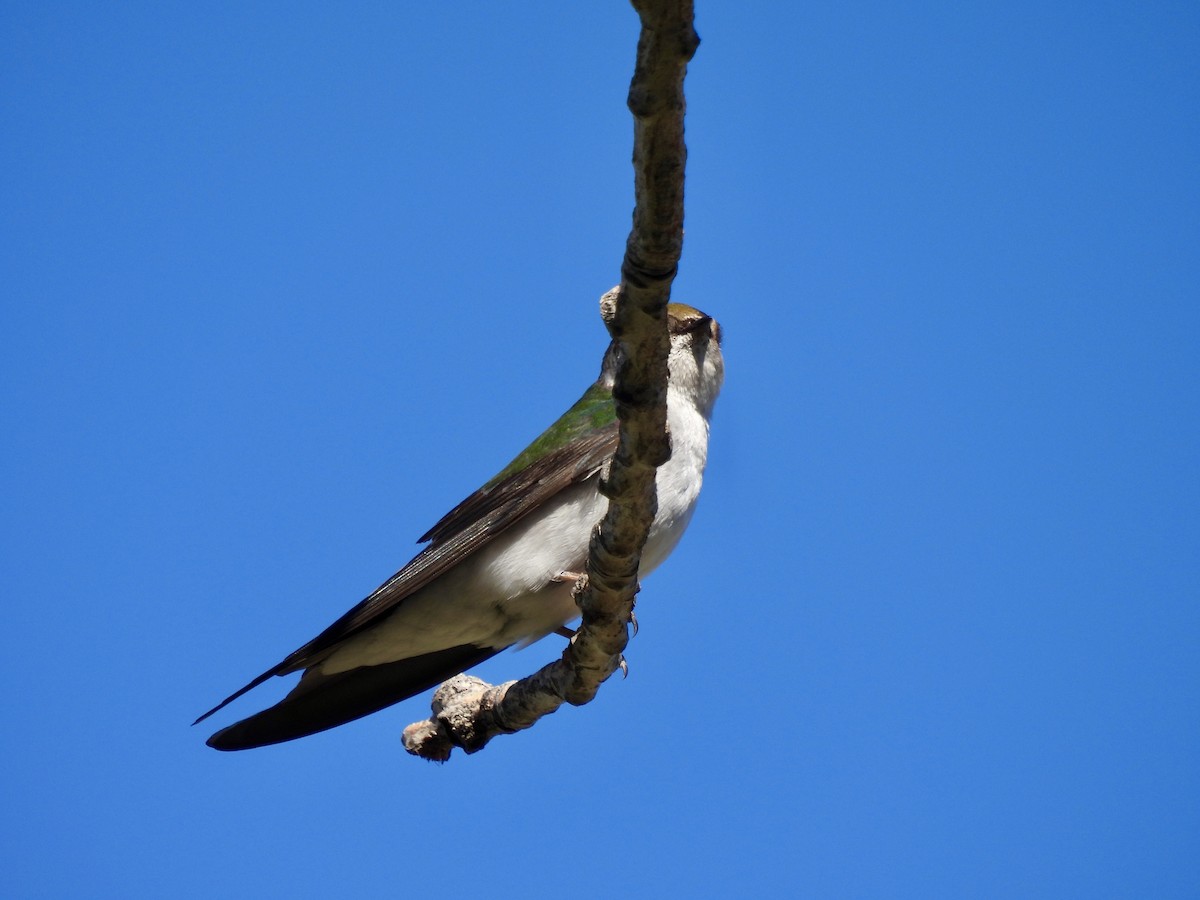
{"x": 493, "y": 573}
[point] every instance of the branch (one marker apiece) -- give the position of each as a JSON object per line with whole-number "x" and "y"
{"x": 468, "y": 712}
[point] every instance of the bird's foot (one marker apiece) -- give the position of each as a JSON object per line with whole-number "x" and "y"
{"x": 569, "y": 633}
{"x": 578, "y": 581}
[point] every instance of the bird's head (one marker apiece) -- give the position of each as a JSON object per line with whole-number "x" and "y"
{"x": 694, "y": 362}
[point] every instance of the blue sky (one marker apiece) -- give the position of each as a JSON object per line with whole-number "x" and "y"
{"x": 281, "y": 284}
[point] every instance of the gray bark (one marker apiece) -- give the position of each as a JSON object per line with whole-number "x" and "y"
{"x": 469, "y": 712}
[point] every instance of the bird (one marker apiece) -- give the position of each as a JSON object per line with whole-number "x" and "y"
{"x": 498, "y": 568}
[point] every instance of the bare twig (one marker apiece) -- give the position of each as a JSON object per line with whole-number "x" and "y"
{"x": 468, "y": 712}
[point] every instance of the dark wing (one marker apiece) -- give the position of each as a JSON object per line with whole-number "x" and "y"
{"x": 524, "y": 486}
{"x": 504, "y": 505}
{"x": 326, "y": 701}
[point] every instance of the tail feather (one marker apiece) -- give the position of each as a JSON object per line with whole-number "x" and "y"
{"x": 322, "y": 702}
{"x": 264, "y": 677}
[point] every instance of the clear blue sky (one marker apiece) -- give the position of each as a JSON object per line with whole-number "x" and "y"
{"x": 282, "y": 283}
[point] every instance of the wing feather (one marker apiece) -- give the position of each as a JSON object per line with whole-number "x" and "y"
{"x": 331, "y": 700}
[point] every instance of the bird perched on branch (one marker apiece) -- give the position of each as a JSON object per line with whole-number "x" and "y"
{"x": 498, "y": 568}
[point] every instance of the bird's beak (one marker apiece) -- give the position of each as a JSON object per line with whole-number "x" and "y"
{"x": 709, "y": 325}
